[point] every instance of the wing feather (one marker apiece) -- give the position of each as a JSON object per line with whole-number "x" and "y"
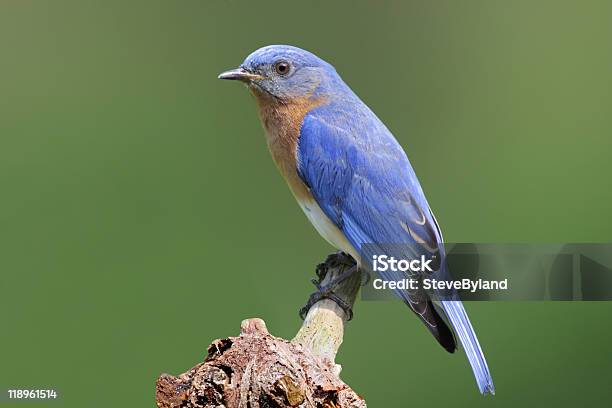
{"x": 363, "y": 181}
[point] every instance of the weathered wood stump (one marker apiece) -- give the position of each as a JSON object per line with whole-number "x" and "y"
{"x": 258, "y": 370}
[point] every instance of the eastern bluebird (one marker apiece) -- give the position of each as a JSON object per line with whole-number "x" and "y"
{"x": 350, "y": 176}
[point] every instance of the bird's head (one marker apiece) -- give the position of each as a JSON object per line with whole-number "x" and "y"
{"x": 285, "y": 73}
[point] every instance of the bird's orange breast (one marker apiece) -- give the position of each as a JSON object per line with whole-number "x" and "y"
{"x": 282, "y": 122}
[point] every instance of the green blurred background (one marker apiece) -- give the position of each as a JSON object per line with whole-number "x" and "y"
{"x": 141, "y": 216}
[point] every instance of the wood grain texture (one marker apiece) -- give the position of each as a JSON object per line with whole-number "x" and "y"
{"x": 259, "y": 370}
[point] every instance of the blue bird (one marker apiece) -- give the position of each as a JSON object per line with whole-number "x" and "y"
{"x": 349, "y": 175}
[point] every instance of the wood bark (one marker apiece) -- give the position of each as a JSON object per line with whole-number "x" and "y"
{"x": 259, "y": 370}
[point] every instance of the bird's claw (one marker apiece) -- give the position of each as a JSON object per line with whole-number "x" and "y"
{"x": 339, "y": 258}
{"x": 326, "y": 292}
{"x": 321, "y": 272}
{"x": 365, "y": 277}
{"x": 333, "y": 261}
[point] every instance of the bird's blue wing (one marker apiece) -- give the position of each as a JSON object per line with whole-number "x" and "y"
{"x": 363, "y": 181}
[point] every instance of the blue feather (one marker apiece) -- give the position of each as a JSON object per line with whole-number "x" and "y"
{"x": 363, "y": 181}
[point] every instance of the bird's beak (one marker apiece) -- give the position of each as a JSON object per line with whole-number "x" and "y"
{"x": 240, "y": 74}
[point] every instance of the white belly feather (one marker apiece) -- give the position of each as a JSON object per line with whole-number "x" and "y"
{"x": 326, "y": 227}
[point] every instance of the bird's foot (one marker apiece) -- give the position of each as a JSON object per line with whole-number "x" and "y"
{"x": 365, "y": 277}
{"x": 337, "y": 260}
{"x": 333, "y": 261}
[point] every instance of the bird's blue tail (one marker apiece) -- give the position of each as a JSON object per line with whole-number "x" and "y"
{"x": 461, "y": 323}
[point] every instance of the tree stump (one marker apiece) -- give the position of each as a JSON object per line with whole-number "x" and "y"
{"x": 258, "y": 370}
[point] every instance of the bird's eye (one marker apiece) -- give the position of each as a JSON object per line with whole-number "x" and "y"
{"x": 282, "y": 68}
